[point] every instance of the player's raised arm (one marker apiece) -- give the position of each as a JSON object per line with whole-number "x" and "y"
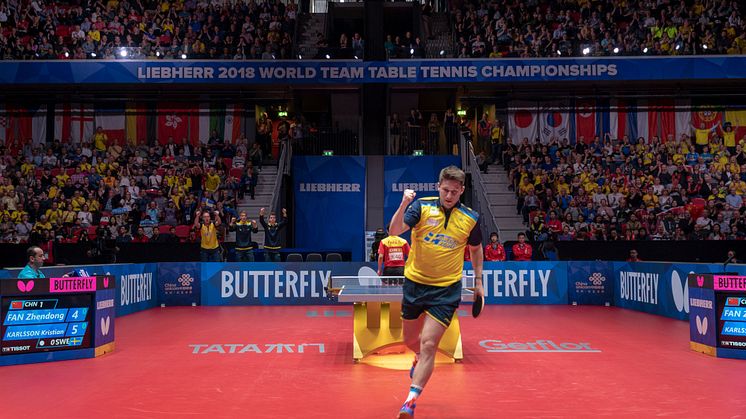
{"x": 398, "y": 226}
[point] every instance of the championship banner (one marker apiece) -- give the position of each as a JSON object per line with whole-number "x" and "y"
{"x": 341, "y": 72}
{"x": 419, "y": 173}
{"x": 329, "y": 203}
{"x": 523, "y": 282}
{"x": 179, "y": 283}
{"x": 228, "y": 284}
{"x": 590, "y": 283}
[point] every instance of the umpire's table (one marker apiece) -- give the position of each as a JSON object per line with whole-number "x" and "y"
{"x": 377, "y": 321}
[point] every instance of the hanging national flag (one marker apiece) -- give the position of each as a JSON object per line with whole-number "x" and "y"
{"x": 706, "y": 117}
{"x": 32, "y": 125}
{"x": 554, "y": 122}
{"x": 176, "y": 121}
{"x": 234, "y": 123}
{"x": 666, "y": 114}
{"x": 62, "y": 122}
{"x": 6, "y": 130}
{"x": 683, "y": 118}
{"x": 137, "y": 120}
{"x": 112, "y": 120}
{"x": 585, "y": 120}
{"x": 73, "y": 122}
{"x": 637, "y": 122}
{"x": 737, "y": 119}
{"x": 523, "y": 121}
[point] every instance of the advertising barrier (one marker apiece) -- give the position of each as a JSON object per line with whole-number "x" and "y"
{"x": 137, "y": 288}
{"x": 523, "y": 282}
{"x": 650, "y": 287}
{"x": 342, "y": 72}
{"x": 179, "y": 283}
{"x": 590, "y": 283}
{"x": 659, "y": 288}
{"x": 330, "y": 203}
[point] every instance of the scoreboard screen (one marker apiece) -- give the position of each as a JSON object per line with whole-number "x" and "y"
{"x": 731, "y": 320}
{"x": 43, "y": 324}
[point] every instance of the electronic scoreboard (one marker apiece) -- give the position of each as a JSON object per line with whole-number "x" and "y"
{"x": 38, "y": 324}
{"x": 55, "y": 319}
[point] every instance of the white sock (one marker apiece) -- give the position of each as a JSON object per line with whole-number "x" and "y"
{"x": 414, "y": 392}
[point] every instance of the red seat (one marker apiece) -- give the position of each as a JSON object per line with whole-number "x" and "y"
{"x": 228, "y": 162}
{"x": 38, "y": 172}
{"x": 182, "y": 231}
{"x": 161, "y": 171}
{"x": 236, "y": 173}
{"x": 70, "y": 171}
{"x": 92, "y": 232}
{"x": 55, "y": 171}
{"x": 164, "y": 229}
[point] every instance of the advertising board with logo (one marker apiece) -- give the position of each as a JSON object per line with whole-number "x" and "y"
{"x": 137, "y": 287}
{"x": 590, "y": 283}
{"x": 329, "y": 203}
{"x": 523, "y": 282}
{"x": 179, "y": 283}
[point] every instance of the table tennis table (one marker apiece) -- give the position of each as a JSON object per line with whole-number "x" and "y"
{"x": 377, "y": 321}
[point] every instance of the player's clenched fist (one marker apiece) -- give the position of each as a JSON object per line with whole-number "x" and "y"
{"x": 408, "y": 196}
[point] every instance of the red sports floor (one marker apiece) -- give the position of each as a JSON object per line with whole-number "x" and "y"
{"x": 644, "y": 369}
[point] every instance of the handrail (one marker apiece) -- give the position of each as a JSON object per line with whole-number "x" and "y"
{"x": 283, "y": 168}
{"x": 480, "y": 200}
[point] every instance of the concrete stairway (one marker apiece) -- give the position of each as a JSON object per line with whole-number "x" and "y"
{"x": 263, "y": 199}
{"x": 310, "y": 25}
{"x": 442, "y": 40}
{"x": 503, "y": 203}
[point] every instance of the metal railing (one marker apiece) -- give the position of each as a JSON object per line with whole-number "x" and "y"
{"x": 480, "y": 200}
{"x": 283, "y": 168}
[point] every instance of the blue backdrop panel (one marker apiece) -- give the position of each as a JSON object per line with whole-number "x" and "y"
{"x": 179, "y": 283}
{"x": 356, "y": 72}
{"x": 523, "y": 282}
{"x": 590, "y": 283}
{"x": 273, "y": 283}
{"x": 330, "y": 203}
{"x": 419, "y": 173}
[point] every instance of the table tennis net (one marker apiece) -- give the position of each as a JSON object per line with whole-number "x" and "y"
{"x": 336, "y": 282}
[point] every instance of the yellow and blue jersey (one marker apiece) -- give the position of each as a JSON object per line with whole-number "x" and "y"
{"x": 438, "y": 240}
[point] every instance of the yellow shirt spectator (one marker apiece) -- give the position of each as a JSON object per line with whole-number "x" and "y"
{"x": 53, "y": 192}
{"x": 729, "y": 138}
{"x": 62, "y": 178}
{"x": 54, "y": 216}
{"x": 99, "y": 140}
{"x": 212, "y": 182}
{"x": 95, "y": 35}
{"x": 702, "y": 136}
{"x": 27, "y": 168}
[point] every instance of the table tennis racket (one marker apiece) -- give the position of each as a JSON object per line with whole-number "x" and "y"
{"x": 476, "y": 308}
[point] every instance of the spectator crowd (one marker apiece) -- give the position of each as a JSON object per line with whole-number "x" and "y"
{"x": 100, "y": 189}
{"x": 631, "y": 188}
{"x": 90, "y": 29}
{"x": 551, "y": 28}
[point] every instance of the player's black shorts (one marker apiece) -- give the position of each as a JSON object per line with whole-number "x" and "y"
{"x": 438, "y": 302}
{"x": 393, "y": 271}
